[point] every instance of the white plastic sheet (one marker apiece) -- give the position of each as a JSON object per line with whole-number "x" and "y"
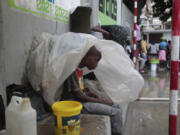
{"x": 116, "y": 73}
{"x": 53, "y": 58}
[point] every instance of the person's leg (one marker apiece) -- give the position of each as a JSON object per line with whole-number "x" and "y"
{"x": 160, "y": 64}
{"x": 115, "y": 112}
{"x": 142, "y": 63}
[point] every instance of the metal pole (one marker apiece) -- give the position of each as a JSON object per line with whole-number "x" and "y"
{"x": 134, "y": 38}
{"x": 174, "y": 68}
{"x": 154, "y": 99}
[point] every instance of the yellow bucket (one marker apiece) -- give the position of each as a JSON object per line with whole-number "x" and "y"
{"x": 67, "y": 117}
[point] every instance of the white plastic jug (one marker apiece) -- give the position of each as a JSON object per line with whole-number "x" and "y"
{"x": 20, "y": 117}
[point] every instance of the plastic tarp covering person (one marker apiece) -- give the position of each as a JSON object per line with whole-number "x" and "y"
{"x": 53, "y": 58}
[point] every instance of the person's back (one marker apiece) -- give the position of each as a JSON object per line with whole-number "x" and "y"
{"x": 153, "y": 49}
{"x": 144, "y": 46}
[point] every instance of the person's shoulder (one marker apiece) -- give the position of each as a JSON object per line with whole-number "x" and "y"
{"x": 72, "y": 75}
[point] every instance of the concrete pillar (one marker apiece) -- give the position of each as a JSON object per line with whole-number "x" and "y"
{"x": 17, "y": 29}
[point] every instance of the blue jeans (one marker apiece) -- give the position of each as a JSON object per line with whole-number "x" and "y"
{"x": 114, "y": 111}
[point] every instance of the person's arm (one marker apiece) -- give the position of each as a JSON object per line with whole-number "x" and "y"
{"x": 104, "y": 32}
{"x": 91, "y": 94}
{"x": 87, "y": 98}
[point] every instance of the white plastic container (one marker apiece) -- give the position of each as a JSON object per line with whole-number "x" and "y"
{"x": 20, "y": 117}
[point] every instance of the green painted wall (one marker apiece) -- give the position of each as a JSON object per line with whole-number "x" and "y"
{"x": 108, "y": 12}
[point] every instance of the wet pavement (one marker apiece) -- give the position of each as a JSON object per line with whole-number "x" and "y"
{"x": 157, "y": 84}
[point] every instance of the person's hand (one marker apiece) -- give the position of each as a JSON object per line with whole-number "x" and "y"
{"x": 108, "y": 102}
{"x": 106, "y": 35}
{"x": 98, "y": 96}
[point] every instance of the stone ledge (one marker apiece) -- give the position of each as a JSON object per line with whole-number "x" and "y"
{"x": 90, "y": 125}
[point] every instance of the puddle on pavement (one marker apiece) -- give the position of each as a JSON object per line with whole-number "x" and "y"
{"x": 157, "y": 85}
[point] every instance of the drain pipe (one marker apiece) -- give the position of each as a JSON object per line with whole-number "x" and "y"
{"x": 173, "y": 111}
{"x": 134, "y": 38}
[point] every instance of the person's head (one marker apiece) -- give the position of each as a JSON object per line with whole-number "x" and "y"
{"x": 153, "y": 43}
{"x": 169, "y": 42}
{"x": 128, "y": 42}
{"x": 91, "y": 59}
{"x": 138, "y": 21}
{"x": 162, "y": 39}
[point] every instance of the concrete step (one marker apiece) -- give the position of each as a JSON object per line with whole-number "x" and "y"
{"x": 148, "y": 118}
{"x": 90, "y": 125}
{"x": 95, "y": 125}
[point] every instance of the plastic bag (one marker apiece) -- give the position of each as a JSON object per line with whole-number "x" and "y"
{"x": 54, "y": 58}
{"x": 116, "y": 73}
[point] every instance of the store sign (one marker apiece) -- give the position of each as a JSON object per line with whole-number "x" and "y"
{"x": 108, "y": 12}
{"x": 53, "y": 9}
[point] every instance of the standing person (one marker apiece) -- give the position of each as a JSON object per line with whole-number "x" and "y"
{"x": 138, "y": 37}
{"x": 168, "y": 49}
{"x": 163, "y": 44}
{"x": 128, "y": 48}
{"x": 162, "y": 52}
{"x": 92, "y": 103}
{"x": 140, "y": 60}
{"x": 162, "y": 57}
{"x": 168, "y": 54}
{"x": 138, "y": 29}
{"x": 153, "y": 50}
{"x": 143, "y": 55}
{"x": 144, "y": 47}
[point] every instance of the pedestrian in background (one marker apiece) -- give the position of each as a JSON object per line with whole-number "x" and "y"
{"x": 162, "y": 58}
{"x": 128, "y": 48}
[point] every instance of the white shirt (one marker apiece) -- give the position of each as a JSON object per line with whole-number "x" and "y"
{"x": 128, "y": 49}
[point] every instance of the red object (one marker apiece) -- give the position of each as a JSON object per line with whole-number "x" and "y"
{"x": 135, "y": 11}
{"x": 174, "y": 75}
{"x": 176, "y": 17}
{"x": 79, "y": 73}
{"x": 172, "y": 125}
{"x": 174, "y": 69}
{"x": 134, "y": 40}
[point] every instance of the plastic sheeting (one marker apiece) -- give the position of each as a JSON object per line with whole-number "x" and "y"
{"x": 53, "y": 58}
